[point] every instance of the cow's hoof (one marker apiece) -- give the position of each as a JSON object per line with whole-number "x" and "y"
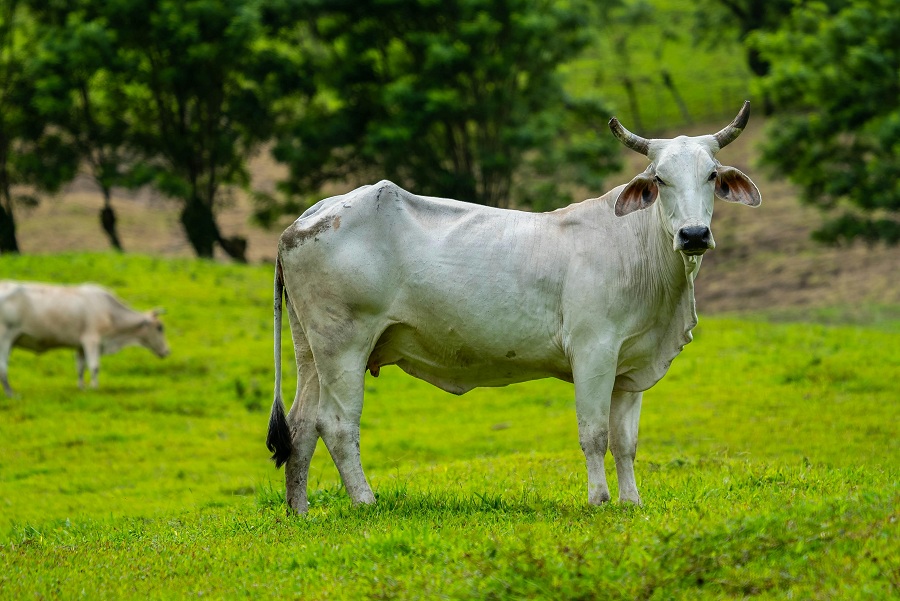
{"x": 298, "y": 506}
{"x": 366, "y": 499}
{"x": 599, "y": 498}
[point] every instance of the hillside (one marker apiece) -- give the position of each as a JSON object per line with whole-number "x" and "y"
{"x": 765, "y": 260}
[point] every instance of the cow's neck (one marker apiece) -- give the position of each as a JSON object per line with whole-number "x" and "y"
{"x": 125, "y": 323}
{"x": 670, "y": 274}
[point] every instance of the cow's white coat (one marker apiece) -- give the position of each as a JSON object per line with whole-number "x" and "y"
{"x": 462, "y": 295}
{"x": 40, "y": 317}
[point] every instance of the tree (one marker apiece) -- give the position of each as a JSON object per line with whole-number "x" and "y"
{"x": 30, "y": 152}
{"x": 80, "y": 79}
{"x": 11, "y": 58}
{"x": 749, "y": 17}
{"x": 460, "y": 98}
{"x": 835, "y": 84}
{"x": 200, "y": 90}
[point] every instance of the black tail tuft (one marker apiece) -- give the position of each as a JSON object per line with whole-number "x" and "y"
{"x": 279, "y": 439}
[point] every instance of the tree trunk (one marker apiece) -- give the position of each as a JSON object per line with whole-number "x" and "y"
{"x": 760, "y": 68}
{"x": 670, "y": 85}
{"x": 200, "y": 226}
{"x": 108, "y": 221}
{"x": 631, "y": 93}
{"x": 235, "y": 247}
{"x": 202, "y": 231}
{"x": 8, "y": 242}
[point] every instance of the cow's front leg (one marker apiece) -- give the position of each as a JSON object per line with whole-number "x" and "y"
{"x": 5, "y": 348}
{"x": 593, "y": 387}
{"x": 625, "y": 413}
{"x": 91, "y": 349}
{"x": 79, "y": 366}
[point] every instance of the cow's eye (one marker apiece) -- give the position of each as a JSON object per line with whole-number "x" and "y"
{"x": 712, "y": 176}
{"x": 160, "y": 327}
{"x": 659, "y": 181}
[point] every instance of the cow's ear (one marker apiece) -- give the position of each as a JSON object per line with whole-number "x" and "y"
{"x": 638, "y": 194}
{"x": 734, "y": 186}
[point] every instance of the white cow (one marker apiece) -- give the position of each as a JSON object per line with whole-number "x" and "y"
{"x": 88, "y": 318}
{"x": 600, "y": 293}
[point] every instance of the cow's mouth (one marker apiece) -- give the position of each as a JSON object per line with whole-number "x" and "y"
{"x": 694, "y": 252}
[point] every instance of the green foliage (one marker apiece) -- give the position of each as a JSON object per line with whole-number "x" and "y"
{"x": 30, "y": 152}
{"x": 658, "y": 68}
{"x": 837, "y": 135}
{"x": 460, "y": 99}
{"x": 177, "y": 93}
{"x": 200, "y": 98}
{"x": 768, "y": 465}
{"x": 79, "y": 77}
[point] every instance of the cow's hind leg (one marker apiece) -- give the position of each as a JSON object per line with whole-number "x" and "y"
{"x": 340, "y": 408}
{"x": 301, "y": 420}
{"x": 625, "y": 413}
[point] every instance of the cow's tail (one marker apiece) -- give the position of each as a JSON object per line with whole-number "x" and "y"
{"x": 278, "y": 440}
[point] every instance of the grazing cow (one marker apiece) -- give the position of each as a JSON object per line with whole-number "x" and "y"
{"x": 88, "y": 318}
{"x": 600, "y": 293}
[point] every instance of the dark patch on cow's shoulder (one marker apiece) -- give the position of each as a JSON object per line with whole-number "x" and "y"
{"x": 297, "y": 234}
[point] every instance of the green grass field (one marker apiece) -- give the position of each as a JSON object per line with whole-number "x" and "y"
{"x": 768, "y": 465}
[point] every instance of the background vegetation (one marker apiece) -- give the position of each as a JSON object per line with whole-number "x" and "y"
{"x": 495, "y": 102}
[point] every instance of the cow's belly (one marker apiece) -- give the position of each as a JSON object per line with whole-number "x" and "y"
{"x": 41, "y": 344}
{"x": 458, "y": 365}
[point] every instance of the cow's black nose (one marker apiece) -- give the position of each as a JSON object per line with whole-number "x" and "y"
{"x": 694, "y": 238}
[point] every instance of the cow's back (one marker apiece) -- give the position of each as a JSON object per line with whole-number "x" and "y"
{"x": 380, "y": 242}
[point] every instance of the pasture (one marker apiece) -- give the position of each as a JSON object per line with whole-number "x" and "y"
{"x": 768, "y": 464}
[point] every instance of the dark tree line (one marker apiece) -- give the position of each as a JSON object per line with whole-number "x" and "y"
{"x": 460, "y": 98}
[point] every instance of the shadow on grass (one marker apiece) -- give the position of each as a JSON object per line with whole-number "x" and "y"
{"x": 401, "y": 503}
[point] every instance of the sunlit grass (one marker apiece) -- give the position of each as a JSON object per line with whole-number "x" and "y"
{"x": 768, "y": 465}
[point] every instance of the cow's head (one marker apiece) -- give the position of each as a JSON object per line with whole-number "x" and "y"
{"x": 150, "y": 333}
{"x": 684, "y": 177}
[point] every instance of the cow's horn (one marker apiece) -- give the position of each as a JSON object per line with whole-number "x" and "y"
{"x": 734, "y": 129}
{"x": 632, "y": 141}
